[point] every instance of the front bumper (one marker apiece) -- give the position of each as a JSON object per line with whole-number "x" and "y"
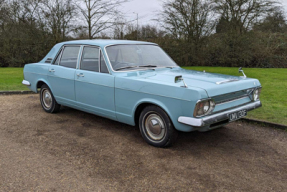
{"x": 218, "y": 117}
{"x": 24, "y": 82}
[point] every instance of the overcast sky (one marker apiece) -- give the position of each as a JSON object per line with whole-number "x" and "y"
{"x": 147, "y": 10}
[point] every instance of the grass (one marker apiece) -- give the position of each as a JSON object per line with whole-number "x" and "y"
{"x": 273, "y": 95}
{"x": 11, "y": 79}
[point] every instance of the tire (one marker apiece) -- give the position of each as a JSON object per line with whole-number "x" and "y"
{"x": 48, "y": 102}
{"x": 156, "y": 127}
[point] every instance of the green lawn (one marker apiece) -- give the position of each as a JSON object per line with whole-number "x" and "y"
{"x": 11, "y": 79}
{"x": 273, "y": 95}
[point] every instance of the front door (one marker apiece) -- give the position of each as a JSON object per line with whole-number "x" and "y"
{"x": 94, "y": 85}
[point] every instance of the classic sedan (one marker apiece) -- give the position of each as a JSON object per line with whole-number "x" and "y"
{"x": 137, "y": 83}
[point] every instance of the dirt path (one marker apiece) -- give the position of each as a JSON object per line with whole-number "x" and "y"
{"x": 76, "y": 151}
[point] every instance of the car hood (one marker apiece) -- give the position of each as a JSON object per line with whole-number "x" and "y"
{"x": 213, "y": 83}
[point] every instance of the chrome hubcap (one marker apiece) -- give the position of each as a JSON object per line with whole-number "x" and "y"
{"x": 155, "y": 127}
{"x": 47, "y": 99}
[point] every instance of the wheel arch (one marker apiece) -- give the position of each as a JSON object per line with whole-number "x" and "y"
{"x": 41, "y": 82}
{"x": 142, "y": 104}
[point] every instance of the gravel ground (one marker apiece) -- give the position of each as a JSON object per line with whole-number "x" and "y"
{"x": 77, "y": 151}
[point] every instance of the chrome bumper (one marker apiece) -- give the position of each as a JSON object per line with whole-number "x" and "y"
{"x": 24, "y": 82}
{"x": 208, "y": 120}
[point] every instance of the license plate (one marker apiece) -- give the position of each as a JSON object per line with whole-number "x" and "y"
{"x": 237, "y": 115}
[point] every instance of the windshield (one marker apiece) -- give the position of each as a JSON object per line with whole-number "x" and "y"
{"x": 131, "y": 57}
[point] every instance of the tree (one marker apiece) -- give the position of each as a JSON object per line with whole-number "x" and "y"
{"x": 99, "y": 15}
{"x": 58, "y": 18}
{"x": 188, "y": 19}
{"x": 119, "y": 28}
{"x": 239, "y": 16}
{"x": 273, "y": 23}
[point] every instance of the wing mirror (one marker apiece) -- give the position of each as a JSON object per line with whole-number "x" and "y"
{"x": 240, "y": 70}
{"x": 179, "y": 79}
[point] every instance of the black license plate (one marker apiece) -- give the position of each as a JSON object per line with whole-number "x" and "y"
{"x": 237, "y": 115}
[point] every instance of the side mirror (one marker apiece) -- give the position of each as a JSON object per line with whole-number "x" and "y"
{"x": 178, "y": 79}
{"x": 240, "y": 70}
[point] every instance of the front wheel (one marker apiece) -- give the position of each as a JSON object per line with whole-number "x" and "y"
{"x": 156, "y": 128}
{"x": 48, "y": 101}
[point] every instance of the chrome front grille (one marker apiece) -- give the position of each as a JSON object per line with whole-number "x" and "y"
{"x": 230, "y": 97}
{"x": 231, "y": 100}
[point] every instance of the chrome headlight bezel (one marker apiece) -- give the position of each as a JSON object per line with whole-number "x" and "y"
{"x": 256, "y": 94}
{"x": 204, "y": 107}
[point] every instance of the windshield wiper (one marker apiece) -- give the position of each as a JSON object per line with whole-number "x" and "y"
{"x": 148, "y": 66}
{"x": 128, "y": 67}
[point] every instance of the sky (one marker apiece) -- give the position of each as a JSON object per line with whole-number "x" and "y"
{"x": 147, "y": 10}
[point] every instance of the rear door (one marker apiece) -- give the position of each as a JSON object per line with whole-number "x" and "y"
{"x": 61, "y": 74}
{"x": 94, "y": 85}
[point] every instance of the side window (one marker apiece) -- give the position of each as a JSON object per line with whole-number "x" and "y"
{"x": 90, "y": 59}
{"x": 56, "y": 62}
{"x": 104, "y": 68}
{"x": 70, "y": 57}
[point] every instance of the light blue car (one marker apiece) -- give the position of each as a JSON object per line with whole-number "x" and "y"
{"x": 137, "y": 83}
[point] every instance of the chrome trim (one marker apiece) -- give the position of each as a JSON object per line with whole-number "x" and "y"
{"x": 102, "y": 54}
{"x": 80, "y": 57}
{"x": 24, "y": 82}
{"x": 100, "y": 51}
{"x": 208, "y": 120}
{"x": 226, "y": 81}
{"x": 209, "y": 111}
{"x": 62, "y": 51}
{"x": 178, "y": 79}
{"x": 252, "y": 95}
{"x": 49, "y": 60}
{"x": 232, "y": 100}
{"x": 80, "y": 75}
{"x": 241, "y": 70}
{"x": 57, "y": 55}
{"x": 109, "y": 62}
{"x": 251, "y": 89}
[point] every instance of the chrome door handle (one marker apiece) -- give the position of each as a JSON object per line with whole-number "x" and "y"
{"x": 81, "y": 75}
{"x": 51, "y": 70}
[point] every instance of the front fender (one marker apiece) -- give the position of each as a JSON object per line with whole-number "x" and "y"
{"x": 153, "y": 102}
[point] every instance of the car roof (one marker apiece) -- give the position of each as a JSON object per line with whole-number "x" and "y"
{"x": 104, "y": 42}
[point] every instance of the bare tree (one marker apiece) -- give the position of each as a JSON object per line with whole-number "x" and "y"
{"x": 99, "y": 15}
{"x": 274, "y": 22}
{"x": 59, "y": 15}
{"x": 119, "y": 28}
{"x": 240, "y": 15}
{"x": 188, "y": 19}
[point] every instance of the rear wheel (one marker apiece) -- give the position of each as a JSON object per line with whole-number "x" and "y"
{"x": 156, "y": 127}
{"x": 48, "y": 102}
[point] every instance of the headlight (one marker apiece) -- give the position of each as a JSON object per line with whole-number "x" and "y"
{"x": 256, "y": 94}
{"x": 203, "y": 107}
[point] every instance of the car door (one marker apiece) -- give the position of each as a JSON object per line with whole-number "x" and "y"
{"x": 61, "y": 75}
{"x": 94, "y": 85}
